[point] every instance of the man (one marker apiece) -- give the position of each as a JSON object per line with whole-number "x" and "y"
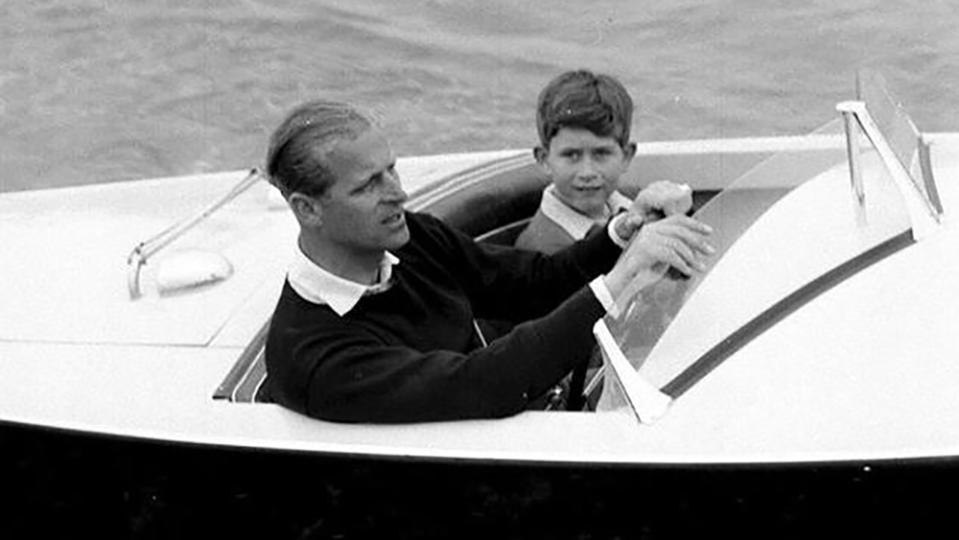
{"x": 375, "y": 321}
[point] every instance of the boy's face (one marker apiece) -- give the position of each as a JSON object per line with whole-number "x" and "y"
{"x": 584, "y": 168}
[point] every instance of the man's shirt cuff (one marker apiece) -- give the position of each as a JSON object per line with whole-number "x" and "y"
{"x": 601, "y": 292}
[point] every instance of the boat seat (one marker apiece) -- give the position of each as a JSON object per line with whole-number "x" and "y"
{"x": 495, "y": 210}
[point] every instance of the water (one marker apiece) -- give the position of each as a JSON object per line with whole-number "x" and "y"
{"x": 96, "y": 91}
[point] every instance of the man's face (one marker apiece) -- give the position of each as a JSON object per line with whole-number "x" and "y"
{"x": 585, "y": 168}
{"x": 363, "y": 209}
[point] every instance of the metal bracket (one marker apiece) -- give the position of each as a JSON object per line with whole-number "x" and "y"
{"x": 853, "y": 150}
{"x": 925, "y": 210}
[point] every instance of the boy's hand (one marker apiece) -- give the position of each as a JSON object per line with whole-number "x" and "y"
{"x": 662, "y": 199}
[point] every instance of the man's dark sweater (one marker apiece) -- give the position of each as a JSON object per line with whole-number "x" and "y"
{"x": 411, "y": 354}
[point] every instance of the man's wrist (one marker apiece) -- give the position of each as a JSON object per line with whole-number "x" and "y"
{"x": 602, "y": 293}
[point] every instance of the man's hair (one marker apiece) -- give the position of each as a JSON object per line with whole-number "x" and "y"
{"x": 584, "y": 100}
{"x": 296, "y": 159}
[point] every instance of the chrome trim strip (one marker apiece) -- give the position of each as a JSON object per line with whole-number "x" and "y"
{"x": 925, "y": 164}
{"x": 464, "y": 179}
{"x": 243, "y": 366}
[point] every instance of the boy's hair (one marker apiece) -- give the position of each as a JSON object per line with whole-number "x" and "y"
{"x": 296, "y": 159}
{"x": 585, "y": 100}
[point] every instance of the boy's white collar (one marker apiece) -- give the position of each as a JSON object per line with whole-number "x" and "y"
{"x": 574, "y": 223}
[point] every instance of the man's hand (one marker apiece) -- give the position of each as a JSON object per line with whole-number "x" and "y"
{"x": 659, "y": 199}
{"x": 676, "y": 241}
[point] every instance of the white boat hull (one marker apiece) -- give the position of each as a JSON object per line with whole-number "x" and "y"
{"x": 98, "y": 363}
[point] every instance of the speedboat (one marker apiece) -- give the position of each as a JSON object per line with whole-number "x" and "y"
{"x": 822, "y": 332}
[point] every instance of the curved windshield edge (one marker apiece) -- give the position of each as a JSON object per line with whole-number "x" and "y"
{"x": 646, "y": 314}
{"x": 778, "y": 311}
{"x": 673, "y": 334}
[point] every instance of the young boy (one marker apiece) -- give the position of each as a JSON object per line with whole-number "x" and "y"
{"x": 584, "y": 122}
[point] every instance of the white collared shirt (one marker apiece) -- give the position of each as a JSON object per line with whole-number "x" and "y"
{"x": 571, "y": 221}
{"x": 319, "y": 286}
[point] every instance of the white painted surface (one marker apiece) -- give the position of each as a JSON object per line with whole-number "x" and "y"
{"x": 64, "y": 272}
{"x": 867, "y": 371}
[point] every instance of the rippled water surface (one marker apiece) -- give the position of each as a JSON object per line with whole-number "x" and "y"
{"x": 94, "y": 91}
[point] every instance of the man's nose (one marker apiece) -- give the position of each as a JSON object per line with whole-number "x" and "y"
{"x": 394, "y": 188}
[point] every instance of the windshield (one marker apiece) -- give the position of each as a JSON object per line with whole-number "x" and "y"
{"x": 785, "y": 232}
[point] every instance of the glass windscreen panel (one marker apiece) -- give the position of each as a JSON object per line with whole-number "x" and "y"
{"x": 779, "y": 230}
{"x": 899, "y": 131}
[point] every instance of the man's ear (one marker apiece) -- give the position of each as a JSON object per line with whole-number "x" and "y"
{"x": 308, "y": 210}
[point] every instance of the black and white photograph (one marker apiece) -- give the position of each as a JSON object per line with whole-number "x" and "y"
{"x": 532, "y": 269}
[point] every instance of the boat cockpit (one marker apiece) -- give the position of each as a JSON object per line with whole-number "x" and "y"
{"x": 804, "y": 217}
{"x": 492, "y": 203}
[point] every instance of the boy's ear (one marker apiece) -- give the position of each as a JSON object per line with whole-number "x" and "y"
{"x": 540, "y": 154}
{"x": 629, "y": 152}
{"x": 308, "y": 210}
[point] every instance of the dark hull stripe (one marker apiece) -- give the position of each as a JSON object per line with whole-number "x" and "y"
{"x": 719, "y": 353}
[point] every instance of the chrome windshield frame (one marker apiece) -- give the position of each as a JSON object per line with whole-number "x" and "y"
{"x": 921, "y": 199}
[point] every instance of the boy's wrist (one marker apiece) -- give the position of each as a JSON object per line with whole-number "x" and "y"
{"x": 624, "y": 226}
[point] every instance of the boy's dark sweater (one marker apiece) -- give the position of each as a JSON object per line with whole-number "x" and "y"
{"x": 411, "y": 353}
